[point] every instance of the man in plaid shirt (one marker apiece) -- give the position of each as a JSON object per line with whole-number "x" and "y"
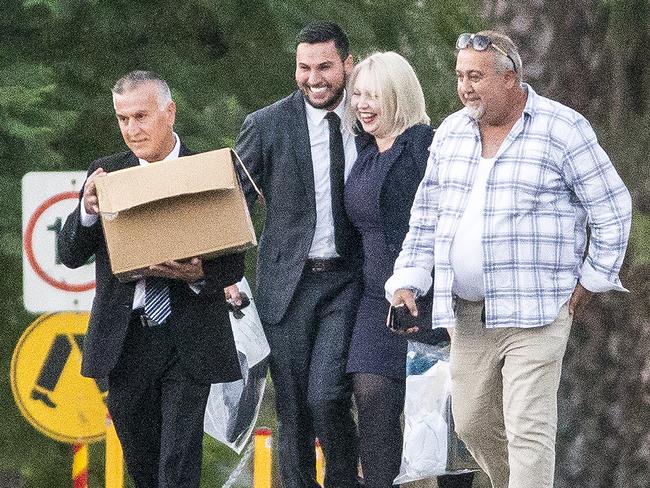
{"x": 512, "y": 183}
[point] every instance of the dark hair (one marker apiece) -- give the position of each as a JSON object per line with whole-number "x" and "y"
{"x": 323, "y": 31}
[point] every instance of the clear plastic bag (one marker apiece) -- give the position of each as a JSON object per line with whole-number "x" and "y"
{"x": 431, "y": 447}
{"x": 232, "y": 408}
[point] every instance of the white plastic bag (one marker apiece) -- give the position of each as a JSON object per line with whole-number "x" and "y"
{"x": 232, "y": 408}
{"x": 431, "y": 448}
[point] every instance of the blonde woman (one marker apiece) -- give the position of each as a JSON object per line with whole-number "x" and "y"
{"x": 387, "y": 112}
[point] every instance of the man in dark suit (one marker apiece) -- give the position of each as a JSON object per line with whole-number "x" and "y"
{"x": 307, "y": 275}
{"x": 162, "y": 340}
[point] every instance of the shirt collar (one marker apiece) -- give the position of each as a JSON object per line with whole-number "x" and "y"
{"x": 172, "y": 155}
{"x": 316, "y": 115}
{"x": 532, "y": 99}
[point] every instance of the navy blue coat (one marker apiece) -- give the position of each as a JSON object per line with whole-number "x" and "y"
{"x": 409, "y": 155}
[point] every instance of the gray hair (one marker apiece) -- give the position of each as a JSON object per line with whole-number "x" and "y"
{"x": 398, "y": 90}
{"x": 137, "y": 78}
{"x": 503, "y": 63}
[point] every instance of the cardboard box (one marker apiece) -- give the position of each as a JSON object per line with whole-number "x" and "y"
{"x": 173, "y": 210}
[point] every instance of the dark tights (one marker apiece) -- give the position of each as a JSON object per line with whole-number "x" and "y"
{"x": 380, "y": 401}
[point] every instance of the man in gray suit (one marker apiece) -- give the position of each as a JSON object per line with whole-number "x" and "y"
{"x": 298, "y": 153}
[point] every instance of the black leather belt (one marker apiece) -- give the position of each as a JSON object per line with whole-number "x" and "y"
{"x": 324, "y": 265}
{"x": 138, "y": 314}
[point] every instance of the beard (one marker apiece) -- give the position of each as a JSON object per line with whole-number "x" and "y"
{"x": 328, "y": 103}
{"x": 476, "y": 112}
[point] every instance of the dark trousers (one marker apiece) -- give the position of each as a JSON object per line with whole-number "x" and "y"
{"x": 157, "y": 410}
{"x": 313, "y": 394}
{"x": 380, "y": 401}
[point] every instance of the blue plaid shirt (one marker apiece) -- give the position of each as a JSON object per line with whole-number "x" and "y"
{"x": 550, "y": 178}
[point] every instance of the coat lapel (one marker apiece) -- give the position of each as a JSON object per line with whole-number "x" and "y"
{"x": 184, "y": 151}
{"x": 128, "y": 161}
{"x": 302, "y": 144}
{"x": 392, "y": 155}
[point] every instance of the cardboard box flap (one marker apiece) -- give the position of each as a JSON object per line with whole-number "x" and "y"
{"x": 183, "y": 176}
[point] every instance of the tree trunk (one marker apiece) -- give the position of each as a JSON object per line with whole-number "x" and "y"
{"x": 592, "y": 56}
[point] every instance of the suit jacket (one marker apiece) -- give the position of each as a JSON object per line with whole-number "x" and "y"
{"x": 199, "y": 322}
{"x": 274, "y": 145}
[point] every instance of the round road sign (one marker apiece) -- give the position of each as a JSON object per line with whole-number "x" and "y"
{"x": 48, "y": 285}
{"x": 47, "y": 384}
{"x": 29, "y": 245}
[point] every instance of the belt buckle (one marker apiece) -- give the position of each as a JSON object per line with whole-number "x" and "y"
{"x": 318, "y": 266}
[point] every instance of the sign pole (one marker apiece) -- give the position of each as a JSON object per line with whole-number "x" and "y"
{"x": 262, "y": 458}
{"x": 320, "y": 463}
{"x": 114, "y": 470}
{"x": 80, "y": 465}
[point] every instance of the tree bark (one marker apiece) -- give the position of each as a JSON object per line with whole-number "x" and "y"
{"x": 592, "y": 55}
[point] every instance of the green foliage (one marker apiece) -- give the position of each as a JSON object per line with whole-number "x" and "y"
{"x": 640, "y": 239}
{"x": 626, "y": 110}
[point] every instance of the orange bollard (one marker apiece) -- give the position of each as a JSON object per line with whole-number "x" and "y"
{"x": 114, "y": 467}
{"x": 320, "y": 463}
{"x": 262, "y": 458}
{"x": 80, "y": 465}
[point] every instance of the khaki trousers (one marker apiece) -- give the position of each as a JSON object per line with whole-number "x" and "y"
{"x": 505, "y": 384}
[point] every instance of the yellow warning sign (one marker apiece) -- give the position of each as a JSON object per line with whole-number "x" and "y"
{"x": 47, "y": 384}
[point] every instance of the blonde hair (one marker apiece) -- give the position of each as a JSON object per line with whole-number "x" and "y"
{"x": 397, "y": 89}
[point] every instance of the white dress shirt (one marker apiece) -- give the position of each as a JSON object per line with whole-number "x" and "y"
{"x": 87, "y": 220}
{"x": 323, "y": 245}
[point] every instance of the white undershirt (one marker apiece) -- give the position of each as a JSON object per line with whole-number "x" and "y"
{"x": 467, "y": 248}
{"x": 322, "y": 245}
{"x": 88, "y": 220}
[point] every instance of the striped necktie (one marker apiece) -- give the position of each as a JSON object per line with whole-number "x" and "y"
{"x": 157, "y": 306}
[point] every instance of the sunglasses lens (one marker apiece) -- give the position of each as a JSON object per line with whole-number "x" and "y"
{"x": 463, "y": 40}
{"x": 481, "y": 43}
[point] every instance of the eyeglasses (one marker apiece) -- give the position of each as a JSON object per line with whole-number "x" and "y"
{"x": 481, "y": 42}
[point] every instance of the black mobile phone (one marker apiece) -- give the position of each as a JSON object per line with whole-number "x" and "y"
{"x": 400, "y": 319}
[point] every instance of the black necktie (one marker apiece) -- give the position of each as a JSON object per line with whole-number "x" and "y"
{"x": 343, "y": 231}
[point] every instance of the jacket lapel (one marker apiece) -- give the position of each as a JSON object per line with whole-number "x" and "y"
{"x": 184, "y": 151}
{"x": 128, "y": 161}
{"x": 302, "y": 144}
{"x": 393, "y": 154}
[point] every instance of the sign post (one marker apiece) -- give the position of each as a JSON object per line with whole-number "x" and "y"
{"x": 45, "y": 369}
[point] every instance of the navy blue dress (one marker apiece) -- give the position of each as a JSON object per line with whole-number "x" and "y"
{"x": 374, "y": 349}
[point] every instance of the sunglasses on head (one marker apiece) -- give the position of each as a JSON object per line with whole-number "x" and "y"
{"x": 480, "y": 42}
